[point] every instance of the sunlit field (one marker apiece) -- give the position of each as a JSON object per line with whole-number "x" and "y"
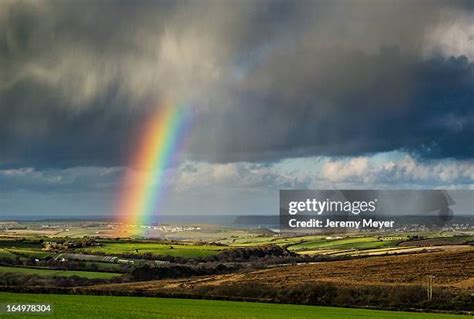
{"x": 135, "y": 307}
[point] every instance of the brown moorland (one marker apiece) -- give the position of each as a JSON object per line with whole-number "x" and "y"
{"x": 452, "y": 266}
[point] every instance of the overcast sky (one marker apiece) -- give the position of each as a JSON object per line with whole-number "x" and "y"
{"x": 283, "y": 94}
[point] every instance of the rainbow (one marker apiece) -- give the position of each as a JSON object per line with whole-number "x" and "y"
{"x": 144, "y": 184}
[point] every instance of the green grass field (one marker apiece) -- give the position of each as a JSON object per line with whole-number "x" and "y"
{"x": 91, "y": 307}
{"x": 30, "y": 253}
{"x": 6, "y": 253}
{"x": 155, "y": 248}
{"x": 13, "y": 243}
{"x": 61, "y": 273}
{"x": 263, "y": 240}
{"x": 313, "y": 243}
{"x": 344, "y": 243}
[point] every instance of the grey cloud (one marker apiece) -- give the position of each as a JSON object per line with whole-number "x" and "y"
{"x": 265, "y": 79}
{"x": 232, "y": 188}
{"x": 60, "y": 181}
{"x": 378, "y": 171}
{"x": 366, "y": 103}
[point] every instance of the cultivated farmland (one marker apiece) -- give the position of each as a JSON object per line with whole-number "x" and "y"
{"x": 75, "y": 307}
{"x": 175, "y": 250}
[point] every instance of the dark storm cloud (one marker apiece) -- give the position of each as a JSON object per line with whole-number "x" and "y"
{"x": 368, "y": 103}
{"x": 265, "y": 79}
{"x": 50, "y": 136}
{"x": 55, "y": 181}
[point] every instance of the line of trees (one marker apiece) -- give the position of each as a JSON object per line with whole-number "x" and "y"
{"x": 19, "y": 280}
{"x": 398, "y": 297}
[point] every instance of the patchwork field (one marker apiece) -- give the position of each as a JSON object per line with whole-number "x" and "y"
{"x": 301, "y": 244}
{"x": 376, "y": 270}
{"x": 70, "y": 306}
{"x": 344, "y": 243}
{"x": 245, "y": 241}
{"x": 349, "y": 244}
{"x": 156, "y": 248}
